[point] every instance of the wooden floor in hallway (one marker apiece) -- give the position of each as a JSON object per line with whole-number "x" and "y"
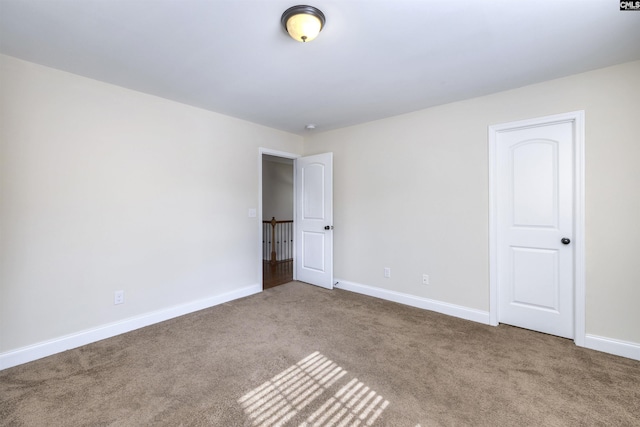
{"x": 276, "y": 274}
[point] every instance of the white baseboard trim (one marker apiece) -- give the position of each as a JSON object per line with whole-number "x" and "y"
{"x": 419, "y": 302}
{"x": 67, "y": 342}
{"x": 627, "y": 349}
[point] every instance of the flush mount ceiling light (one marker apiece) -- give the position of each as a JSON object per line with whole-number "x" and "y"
{"x": 303, "y": 23}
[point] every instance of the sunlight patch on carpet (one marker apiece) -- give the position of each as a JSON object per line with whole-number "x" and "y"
{"x": 284, "y": 396}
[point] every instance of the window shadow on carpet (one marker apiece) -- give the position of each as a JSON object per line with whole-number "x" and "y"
{"x": 303, "y": 394}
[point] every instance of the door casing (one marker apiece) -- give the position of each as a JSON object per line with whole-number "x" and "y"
{"x": 577, "y": 118}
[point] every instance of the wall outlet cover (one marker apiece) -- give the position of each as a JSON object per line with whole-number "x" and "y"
{"x": 118, "y": 297}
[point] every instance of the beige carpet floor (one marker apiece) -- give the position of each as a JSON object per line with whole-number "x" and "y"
{"x": 301, "y": 355}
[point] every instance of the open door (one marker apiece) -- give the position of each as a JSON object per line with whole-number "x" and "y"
{"x": 314, "y": 219}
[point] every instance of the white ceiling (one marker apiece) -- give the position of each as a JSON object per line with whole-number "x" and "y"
{"x": 374, "y": 59}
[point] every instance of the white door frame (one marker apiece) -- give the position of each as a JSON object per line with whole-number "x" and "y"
{"x": 285, "y": 155}
{"x": 577, "y": 117}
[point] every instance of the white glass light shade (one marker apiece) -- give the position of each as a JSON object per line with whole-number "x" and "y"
{"x": 304, "y": 27}
{"x": 302, "y": 22}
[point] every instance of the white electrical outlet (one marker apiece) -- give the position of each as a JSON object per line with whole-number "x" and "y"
{"x": 425, "y": 279}
{"x": 118, "y": 297}
{"x": 387, "y": 272}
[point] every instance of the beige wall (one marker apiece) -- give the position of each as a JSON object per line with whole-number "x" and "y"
{"x": 411, "y": 193}
{"x": 103, "y": 188}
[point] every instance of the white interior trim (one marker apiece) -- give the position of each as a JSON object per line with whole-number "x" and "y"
{"x": 462, "y": 312}
{"x": 577, "y": 117}
{"x": 621, "y": 348}
{"x": 627, "y": 349}
{"x": 580, "y": 299}
{"x": 88, "y": 336}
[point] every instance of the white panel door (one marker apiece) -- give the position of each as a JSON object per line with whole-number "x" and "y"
{"x": 535, "y": 227}
{"x": 314, "y": 220}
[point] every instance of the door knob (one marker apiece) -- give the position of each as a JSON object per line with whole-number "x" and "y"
{"x": 328, "y": 227}
{"x": 565, "y": 241}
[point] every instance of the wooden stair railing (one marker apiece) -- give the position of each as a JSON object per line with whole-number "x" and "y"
{"x": 288, "y": 234}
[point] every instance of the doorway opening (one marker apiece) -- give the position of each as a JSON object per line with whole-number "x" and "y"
{"x": 277, "y": 228}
